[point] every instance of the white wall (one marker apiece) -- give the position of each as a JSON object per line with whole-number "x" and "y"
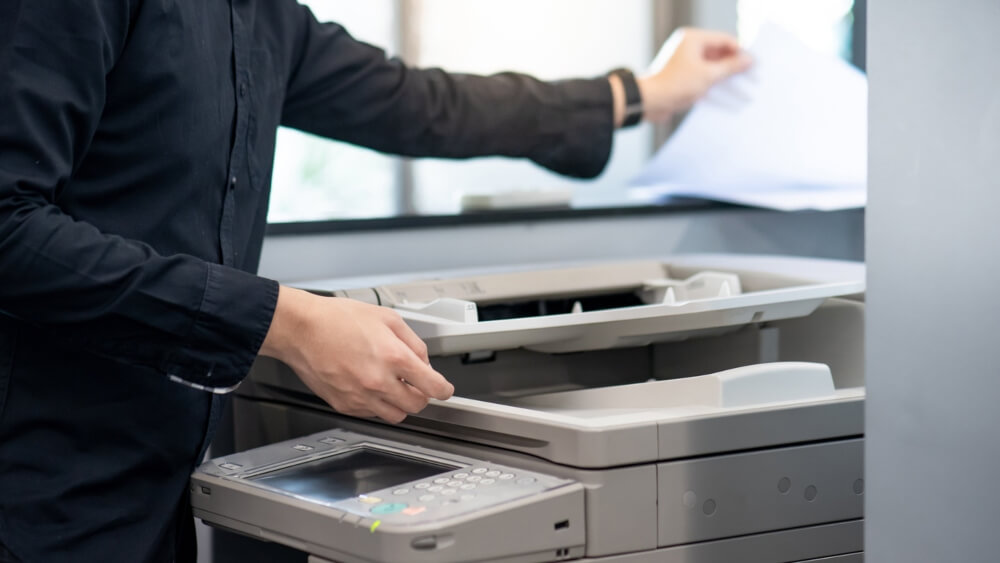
{"x": 933, "y": 418}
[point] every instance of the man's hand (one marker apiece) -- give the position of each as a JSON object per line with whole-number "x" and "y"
{"x": 361, "y": 359}
{"x": 701, "y": 59}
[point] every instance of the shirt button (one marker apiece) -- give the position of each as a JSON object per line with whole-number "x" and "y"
{"x": 232, "y": 183}
{"x": 243, "y": 90}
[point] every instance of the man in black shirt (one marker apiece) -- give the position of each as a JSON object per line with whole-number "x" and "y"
{"x": 136, "y": 144}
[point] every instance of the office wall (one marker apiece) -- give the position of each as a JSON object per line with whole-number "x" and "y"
{"x": 933, "y": 409}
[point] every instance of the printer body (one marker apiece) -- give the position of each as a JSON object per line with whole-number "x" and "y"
{"x": 687, "y": 409}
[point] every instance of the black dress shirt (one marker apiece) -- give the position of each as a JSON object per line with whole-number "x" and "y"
{"x": 136, "y": 145}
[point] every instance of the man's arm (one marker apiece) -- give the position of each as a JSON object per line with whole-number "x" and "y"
{"x": 347, "y": 90}
{"x": 117, "y": 298}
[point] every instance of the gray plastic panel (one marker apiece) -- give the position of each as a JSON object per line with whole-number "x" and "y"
{"x": 733, "y": 495}
{"x": 545, "y": 513}
{"x": 849, "y": 558}
{"x": 762, "y": 428}
{"x": 831, "y": 541}
{"x": 622, "y": 514}
{"x": 621, "y": 506}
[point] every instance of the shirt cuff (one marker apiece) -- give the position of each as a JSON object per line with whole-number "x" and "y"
{"x": 230, "y": 327}
{"x": 580, "y": 133}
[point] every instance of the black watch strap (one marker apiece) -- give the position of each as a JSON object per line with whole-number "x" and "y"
{"x": 633, "y": 98}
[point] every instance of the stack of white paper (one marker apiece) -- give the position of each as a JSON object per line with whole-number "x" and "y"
{"x": 789, "y": 134}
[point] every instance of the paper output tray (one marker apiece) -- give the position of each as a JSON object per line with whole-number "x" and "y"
{"x": 625, "y": 327}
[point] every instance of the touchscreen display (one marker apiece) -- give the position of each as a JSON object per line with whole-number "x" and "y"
{"x": 349, "y": 474}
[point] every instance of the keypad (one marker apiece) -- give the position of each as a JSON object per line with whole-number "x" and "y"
{"x": 446, "y": 491}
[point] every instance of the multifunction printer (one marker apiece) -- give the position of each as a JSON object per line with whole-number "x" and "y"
{"x": 688, "y": 409}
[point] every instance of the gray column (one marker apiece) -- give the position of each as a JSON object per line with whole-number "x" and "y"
{"x": 933, "y": 336}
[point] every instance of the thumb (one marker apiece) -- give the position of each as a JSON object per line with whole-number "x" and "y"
{"x": 728, "y": 66}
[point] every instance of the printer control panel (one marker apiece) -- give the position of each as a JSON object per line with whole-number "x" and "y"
{"x": 467, "y": 489}
{"x": 369, "y": 480}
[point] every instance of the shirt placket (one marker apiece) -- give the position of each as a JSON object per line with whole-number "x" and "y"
{"x": 237, "y": 155}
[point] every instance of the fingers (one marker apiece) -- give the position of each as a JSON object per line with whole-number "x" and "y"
{"x": 724, "y": 68}
{"x": 364, "y": 360}
{"x": 425, "y": 379}
{"x": 387, "y": 412}
{"x": 719, "y": 49}
{"x": 715, "y": 42}
{"x": 406, "y": 334}
{"x": 404, "y": 397}
{"x": 421, "y": 376}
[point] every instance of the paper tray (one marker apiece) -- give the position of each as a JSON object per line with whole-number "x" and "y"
{"x": 626, "y": 327}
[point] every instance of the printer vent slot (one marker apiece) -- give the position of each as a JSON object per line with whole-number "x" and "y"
{"x": 557, "y": 306}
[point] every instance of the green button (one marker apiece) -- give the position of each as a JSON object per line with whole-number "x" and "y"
{"x": 388, "y": 508}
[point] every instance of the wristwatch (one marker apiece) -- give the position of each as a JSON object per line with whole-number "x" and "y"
{"x": 633, "y": 97}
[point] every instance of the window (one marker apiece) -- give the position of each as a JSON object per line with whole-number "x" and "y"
{"x": 317, "y": 179}
{"x": 825, "y": 25}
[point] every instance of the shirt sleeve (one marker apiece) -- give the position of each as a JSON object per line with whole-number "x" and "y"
{"x": 347, "y": 90}
{"x": 191, "y": 320}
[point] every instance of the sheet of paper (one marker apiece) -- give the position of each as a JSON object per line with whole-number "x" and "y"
{"x": 790, "y": 133}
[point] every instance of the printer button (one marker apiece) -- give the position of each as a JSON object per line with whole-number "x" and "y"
{"x": 480, "y": 470}
{"x": 421, "y": 485}
{"x": 507, "y": 476}
{"x": 493, "y": 473}
{"x": 389, "y": 508}
{"x": 424, "y": 543}
{"x": 460, "y": 475}
{"x": 474, "y": 479}
{"x": 487, "y": 482}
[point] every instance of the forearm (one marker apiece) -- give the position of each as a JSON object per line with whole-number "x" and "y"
{"x": 346, "y": 90}
{"x": 120, "y": 299}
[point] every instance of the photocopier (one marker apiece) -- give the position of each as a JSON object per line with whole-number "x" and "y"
{"x": 687, "y": 409}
